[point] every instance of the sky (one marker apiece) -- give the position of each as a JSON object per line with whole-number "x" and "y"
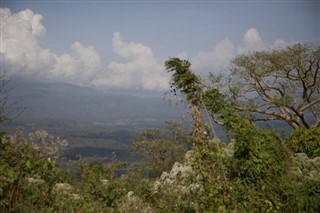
{"x": 124, "y": 44}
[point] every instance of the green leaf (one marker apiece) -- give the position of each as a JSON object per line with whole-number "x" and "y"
{"x": 12, "y": 174}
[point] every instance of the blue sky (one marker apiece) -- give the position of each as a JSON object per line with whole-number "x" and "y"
{"x": 124, "y": 43}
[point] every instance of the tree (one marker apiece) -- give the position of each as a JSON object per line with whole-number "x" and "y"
{"x": 255, "y": 171}
{"x": 207, "y": 149}
{"x": 279, "y": 85}
{"x": 185, "y": 81}
{"x": 160, "y": 149}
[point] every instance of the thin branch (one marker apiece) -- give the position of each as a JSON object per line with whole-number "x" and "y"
{"x": 310, "y": 105}
{"x": 280, "y": 116}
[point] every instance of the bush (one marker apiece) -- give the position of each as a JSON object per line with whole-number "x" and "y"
{"x": 259, "y": 155}
{"x": 301, "y": 184}
{"x": 306, "y": 140}
{"x": 26, "y": 177}
{"x": 259, "y": 161}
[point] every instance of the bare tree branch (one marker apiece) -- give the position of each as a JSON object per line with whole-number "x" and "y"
{"x": 286, "y": 82}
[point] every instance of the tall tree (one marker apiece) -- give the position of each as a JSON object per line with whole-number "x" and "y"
{"x": 160, "y": 149}
{"x": 185, "y": 81}
{"x": 279, "y": 85}
{"x": 193, "y": 89}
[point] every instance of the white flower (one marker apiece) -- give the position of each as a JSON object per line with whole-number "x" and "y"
{"x": 64, "y": 188}
{"x": 35, "y": 180}
{"x": 130, "y": 194}
{"x": 104, "y": 181}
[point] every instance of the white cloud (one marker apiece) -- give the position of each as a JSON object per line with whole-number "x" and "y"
{"x": 141, "y": 69}
{"x": 215, "y": 59}
{"x": 252, "y": 42}
{"x": 22, "y": 54}
{"x": 225, "y": 51}
{"x": 79, "y": 66}
{"x": 19, "y": 49}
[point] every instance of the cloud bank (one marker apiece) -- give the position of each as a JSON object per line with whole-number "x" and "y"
{"x": 225, "y": 50}
{"x": 22, "y": 55}
{"x": 141, "y": 69}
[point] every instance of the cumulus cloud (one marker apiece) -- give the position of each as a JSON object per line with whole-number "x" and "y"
{"x": 20, "y": 49}
{"x": 137, "y": 67}
{"x": 252, "y": 41}
{"x": 225, "y": 50}
{"x": 217, "y": 58}
{"x": 22, "y": 54}
{"x": 79, "y": 66}
{"x": 141, "y": 68}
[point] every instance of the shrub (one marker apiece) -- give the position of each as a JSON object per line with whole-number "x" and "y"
{"x": 306, "y": 140}
{"x": 25, "y": 177}
{"x": 301, "y": 185}
{"x": 255, "y": 171}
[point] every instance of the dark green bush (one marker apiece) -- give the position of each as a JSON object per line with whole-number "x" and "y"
{"x": 259, "y": 162}
{"x": 306, "y": 140}
{"x": 25, "y": 177}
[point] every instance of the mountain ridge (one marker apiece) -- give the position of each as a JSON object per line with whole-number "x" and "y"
{"x": 71, "y": 102}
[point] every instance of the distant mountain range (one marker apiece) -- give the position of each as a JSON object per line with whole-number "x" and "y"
{"x": 60, "y": 101}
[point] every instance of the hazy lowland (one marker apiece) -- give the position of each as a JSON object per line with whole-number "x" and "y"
{"x": 96, "y": 123}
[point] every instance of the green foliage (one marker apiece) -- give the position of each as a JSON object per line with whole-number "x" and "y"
{"x": 284, "y": 83}
{"x": 214, "y": 100}
{"x": 26, "y": 177}
{"x": 258, "y": 175}
{"x": 3, "y": 119}
{"x": 284, "y": 100}
{"x": 259, "y": 154}
{"x": 161, "y": 149}
{"x": 132, "y": 203}
{"x": 210, "y": 167}
{"x": 301, "y": 185}
{"x": 177, "y": 190}
{"x": 3, "y": 140}
{"x": 251, "y": 177}
{"x": 259, "y": 161}
{"x": 98, "y": 182}
{"x": 306, "y": 140}
{"x": 302, "y": 197}
{"x": 184, "y": 80}
{"x": 32, "y": 182}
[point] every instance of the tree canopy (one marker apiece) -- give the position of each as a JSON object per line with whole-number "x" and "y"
{"x": 279, "y": 85}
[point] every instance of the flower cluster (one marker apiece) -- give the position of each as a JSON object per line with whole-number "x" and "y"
{"x": 41, "y": 140}
{"x": 305, "y": 167}
{"x": 181, "y": 180}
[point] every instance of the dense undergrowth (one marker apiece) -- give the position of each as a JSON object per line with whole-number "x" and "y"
{"x": 261, "y": 173}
